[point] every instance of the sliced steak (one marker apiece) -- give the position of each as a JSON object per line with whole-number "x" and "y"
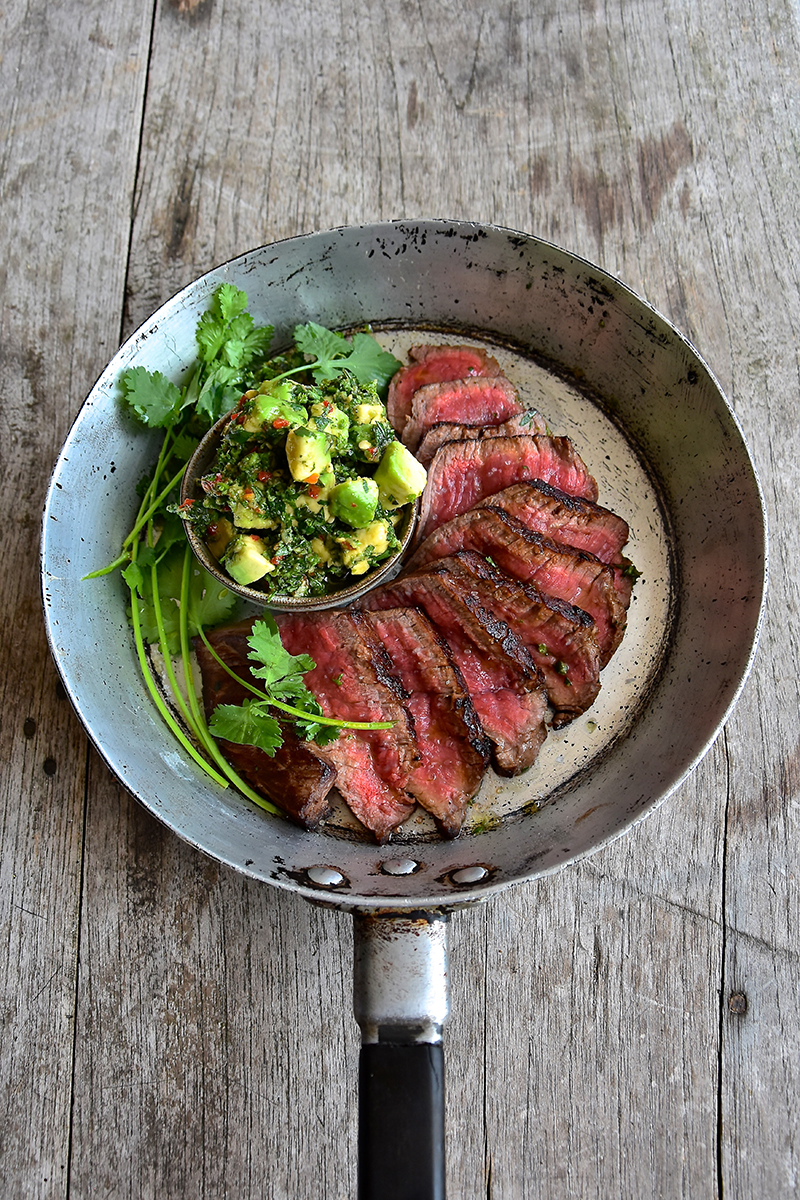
{"x": 449, "y": 431}
{"x": 561, "y": 639}
{"x": 433, "y": 364}
{"x": 572, "y": 519}
{"x": 501, "y": 676}
{"x": 296, "y": 779}
{"x": 452, "y": 746}
{"x": 557, "y": 570}
{"x": 487, "y": 400}
{"x": 351, "y": 683}
{"x": 463, "y": 473}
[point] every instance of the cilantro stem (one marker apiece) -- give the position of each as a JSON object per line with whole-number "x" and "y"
{"x": 198, "y": 721}
{"x": 153, "y": 508}
{"x": 147, "y": 509}
{"x": 320, "y": 720}
{"x": 123, "y": 558}
{"x": 256, "y": 691}
{"x": 311, "y": 366}
{"x": 157, "y": 698}
{"x": 162, "y": 642}
{"x": 287, "y": 708}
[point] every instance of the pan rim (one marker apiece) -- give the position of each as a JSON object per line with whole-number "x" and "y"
{"x": 466, "y": 895}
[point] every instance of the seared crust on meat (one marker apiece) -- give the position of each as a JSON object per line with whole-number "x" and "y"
{"x": 557, "y": 570}
{"x": 463, "y": 473}
{"x": 450, "y": 431}
{"x": 453, "y": 748}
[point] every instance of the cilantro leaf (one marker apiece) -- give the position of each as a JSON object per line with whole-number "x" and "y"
{"x": 278, "y": 667}
{"x": 210, "y": 335}
{"x": 247, "y": 724}
{"x": 369, "y": 361}
{"x": 154, "y": 399}
{"x": 229, "y": 301}
{"x": 132, "y": 574}
{"x": 320, "y": 344}
{"x": 227, "y": 336}
{"x": 329, "y": 353}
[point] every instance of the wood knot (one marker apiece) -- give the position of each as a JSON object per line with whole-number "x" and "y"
{"x": 737, "y": 1004}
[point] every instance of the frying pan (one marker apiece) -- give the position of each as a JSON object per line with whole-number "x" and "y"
{"x": 650, "y": 419}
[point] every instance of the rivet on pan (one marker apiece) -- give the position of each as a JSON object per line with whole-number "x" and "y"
{"x": 399, "y": 866}
{"x": 325, "y": 876}
{"x": 469, "y": 874}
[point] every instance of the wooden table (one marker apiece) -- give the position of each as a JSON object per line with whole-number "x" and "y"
{"x": 169, "y": 1029}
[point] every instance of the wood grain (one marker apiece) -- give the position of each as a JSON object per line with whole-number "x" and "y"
{"x": 71, "y": 82}
{"x": 624, "y": 1028}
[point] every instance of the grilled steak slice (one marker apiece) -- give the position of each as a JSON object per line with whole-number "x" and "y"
{"x": 296, "y": 779}
{"x": 463, "y": 473}
{"x": 448, "y": 431}
{"x": 571, "y": 519}
{"x": 557, "y": 570}
{"x": 433, "y": 364}
{"x": 561, "y": 639}
{"x": 452, "y": 746}
{"x": 487, "y": 400}
{"x": 351, "y": 683}
{"x": 501, "y": 677}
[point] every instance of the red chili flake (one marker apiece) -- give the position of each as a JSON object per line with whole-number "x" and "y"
{"x": 186, "y": 504}
{"x": 242, "y": 417}
{"x": 280, "y": 423}
{"x": 263, "y": 476}
{"x": 314, "y": 491}
{"x": 213, "y": 529}
{"x": 274, "y": 560}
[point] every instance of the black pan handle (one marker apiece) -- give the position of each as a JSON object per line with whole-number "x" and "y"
{"x": 401, "y": 1003}
{"x": 401, "y": 1122}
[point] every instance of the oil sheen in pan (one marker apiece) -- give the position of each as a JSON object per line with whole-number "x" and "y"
{"x": 626, "y": 488}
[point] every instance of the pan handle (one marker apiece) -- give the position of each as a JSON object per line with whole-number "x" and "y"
{"x": 401, "y": 1002}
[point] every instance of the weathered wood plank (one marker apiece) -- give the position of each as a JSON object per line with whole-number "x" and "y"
{"x": 225, "y": 1009}
{"x": 215, "y": 1050}
{"x": 72, "y": 83}
{"x": 429, "y": 87}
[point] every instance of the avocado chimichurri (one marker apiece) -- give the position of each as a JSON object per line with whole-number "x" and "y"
{"x": 308, "y": 488}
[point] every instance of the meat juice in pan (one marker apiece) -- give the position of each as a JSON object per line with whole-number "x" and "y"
{"x": 624, "y": 487}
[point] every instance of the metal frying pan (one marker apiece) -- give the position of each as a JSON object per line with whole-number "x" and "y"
{"x": 649, "y": 418}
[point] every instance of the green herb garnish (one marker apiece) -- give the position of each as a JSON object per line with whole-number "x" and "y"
{"x": 172, "y": 597}
{"x": 251, "y": 723}
{"x": 328, "y": 354}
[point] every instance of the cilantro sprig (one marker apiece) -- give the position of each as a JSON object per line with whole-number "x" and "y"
{"x": 282, "y": 674}
{"x": 328, "y": 354}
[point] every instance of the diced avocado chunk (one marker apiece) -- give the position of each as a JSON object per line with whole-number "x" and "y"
{"x": 354, "y": 501}
{"x": 307, "y": 453}
{"x": 274, "y": 402}
{"x": 224, "y": 533}
{"x": 336, "y": 425}
{"x": 362, "y": 549}
{"x": 399, "y": 476}
{"x": 246, "y": 559}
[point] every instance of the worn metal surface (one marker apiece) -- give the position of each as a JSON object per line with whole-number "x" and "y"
{"x": 401, "y": 982}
